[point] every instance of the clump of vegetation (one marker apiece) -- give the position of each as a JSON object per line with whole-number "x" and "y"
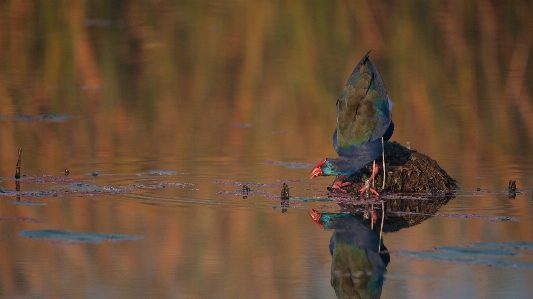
{"x": 406, "y": 171}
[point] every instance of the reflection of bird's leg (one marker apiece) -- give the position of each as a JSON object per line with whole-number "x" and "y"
{"x": 339, "y": 183}
{"x": 373, "y": 216}
{"x": 383, "y": 155}
{"x": 367, "y": 183}
{"x": 373, "y": 181}
{"x": 381, "y": 229}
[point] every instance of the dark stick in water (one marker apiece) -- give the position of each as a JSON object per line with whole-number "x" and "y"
{"x": 284, "y": 198}
{"x": 17, "y": 171}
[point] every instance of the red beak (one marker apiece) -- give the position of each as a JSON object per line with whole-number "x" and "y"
{"x": 317, "y": 171}
{"x": 315, "y": 215}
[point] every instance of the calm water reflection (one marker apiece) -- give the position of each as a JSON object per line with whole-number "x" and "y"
{"x": 176, "y": 106}
{"x": 359, "y": 257}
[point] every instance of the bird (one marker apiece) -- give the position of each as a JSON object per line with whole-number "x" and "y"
{"x": 364, "y": 124}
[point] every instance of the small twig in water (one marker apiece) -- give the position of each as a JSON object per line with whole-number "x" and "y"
{"x": 17, "y": 170}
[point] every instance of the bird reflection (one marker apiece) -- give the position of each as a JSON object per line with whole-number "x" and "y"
{"x": 359, "y": 257}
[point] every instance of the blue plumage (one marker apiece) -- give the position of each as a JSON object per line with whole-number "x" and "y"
{"x": 364, "y": 116}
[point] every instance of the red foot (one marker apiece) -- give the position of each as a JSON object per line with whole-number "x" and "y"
{"x": 374, "y": 172}
{"x": 362, "y": 190}
{"x": 339, "y": 183}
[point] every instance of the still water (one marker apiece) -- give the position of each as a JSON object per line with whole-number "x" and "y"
{"x": 160, "y": 113}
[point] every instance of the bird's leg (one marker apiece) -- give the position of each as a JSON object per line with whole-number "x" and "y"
{"x": 383, "y": 155}
{"x": 339, "y": 183}
{"x": 375, "y": 170}
{"x": 367, "y": 183}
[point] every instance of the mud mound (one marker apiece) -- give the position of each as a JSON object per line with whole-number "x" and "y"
{"x": 407, "y": 171}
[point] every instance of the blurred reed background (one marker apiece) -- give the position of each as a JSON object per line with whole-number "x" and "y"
{"x": 178, "y": 74}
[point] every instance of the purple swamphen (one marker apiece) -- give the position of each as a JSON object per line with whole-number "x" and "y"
{"x": 364, "y": 123}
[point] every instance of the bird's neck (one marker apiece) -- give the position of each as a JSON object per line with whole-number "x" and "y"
{"x": 349, "y": 164}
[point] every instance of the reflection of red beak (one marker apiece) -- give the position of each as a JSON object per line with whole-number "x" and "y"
{"x": 317, "y": 171}
{"x": 315, "y": 215}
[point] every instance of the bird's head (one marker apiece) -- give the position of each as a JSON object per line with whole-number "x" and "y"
{"x": 321, "y": 169}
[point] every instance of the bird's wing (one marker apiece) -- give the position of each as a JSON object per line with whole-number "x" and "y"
{"x": 363, "y": 110}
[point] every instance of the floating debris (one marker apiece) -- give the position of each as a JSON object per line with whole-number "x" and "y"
{"x": 84, "y": 187}
{"x": 92, "y": 189}
{"x": 76, "y": 236}
{"x": 474, "y": 216}
{"x": 163, "y": 172}
{"x": 25, "y": 219}
{"x": 245, "y": 190}
{"x": 239, "y": 192}
{"x": 27, "y": 203}
{"x": 161, "y": 185}
{"x": 67, "y": 172}
{"x": 44, "y": 179}
{"x": 519, "y": 245}
{"x": 292, "y": 181}
{"x": 62, "y": 186}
